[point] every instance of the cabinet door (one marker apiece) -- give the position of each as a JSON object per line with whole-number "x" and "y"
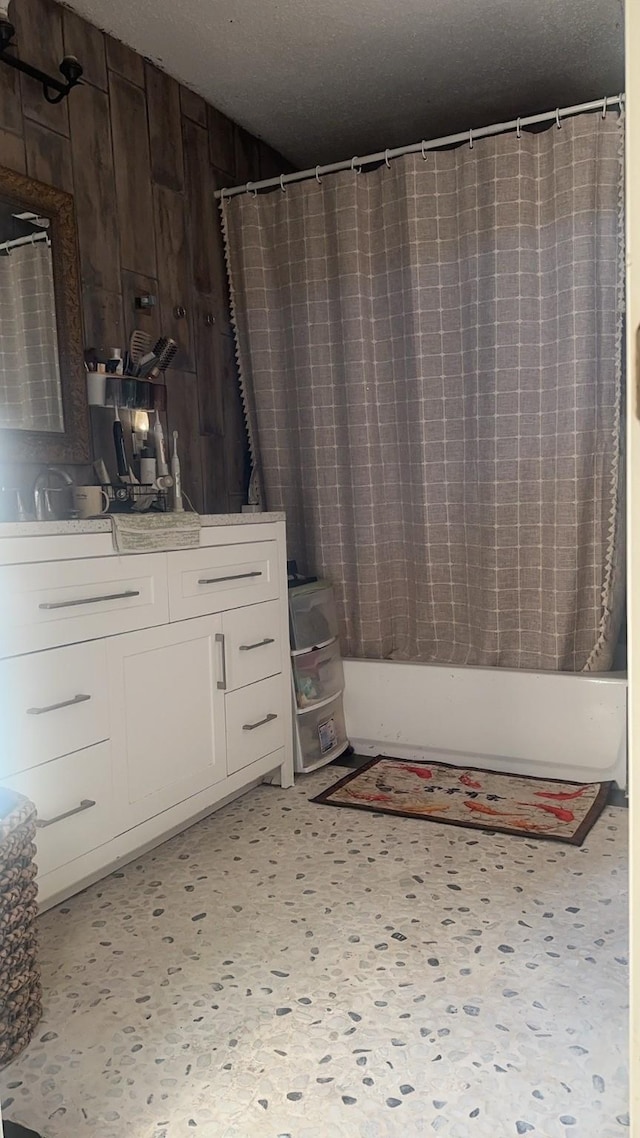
{"x": 167, "y": 716}
{"x": 256, "y": 721}
{"x": 221, "y": 577}
{"x": 74, "y": 799}
{"x": 49, "y": 603}
{"x": 52, "y": 703}
{"x": 253, "y": 644}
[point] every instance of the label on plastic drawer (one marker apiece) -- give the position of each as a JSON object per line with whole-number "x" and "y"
{"x": 328, "y": 735}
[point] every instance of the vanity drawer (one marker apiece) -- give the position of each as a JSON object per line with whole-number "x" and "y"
{"x": 52, "y": 703}
{"x": 216, "y": 578}
{"x": 51, "y": 603}
{"x": 252, "y": 644}
{"x": 256, "y": 722}
{"x": 73, "y": 797}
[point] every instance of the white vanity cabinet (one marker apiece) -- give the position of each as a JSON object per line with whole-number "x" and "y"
{"x": 138, "y": 692}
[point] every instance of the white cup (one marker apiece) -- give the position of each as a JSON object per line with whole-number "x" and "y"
{"x": 90, "y": 501}
{"x": 96, "y": 388}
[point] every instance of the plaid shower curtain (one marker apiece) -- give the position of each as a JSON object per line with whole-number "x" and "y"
{"x": 30, "y": 395}
{"x": 430, "y": 357}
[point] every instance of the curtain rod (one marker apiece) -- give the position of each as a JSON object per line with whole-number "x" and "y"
{"x": 469, "y": 136}
{"x": 30, "y": 239}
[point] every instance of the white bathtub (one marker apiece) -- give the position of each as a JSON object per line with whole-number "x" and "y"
{"x": 552, "y": 724}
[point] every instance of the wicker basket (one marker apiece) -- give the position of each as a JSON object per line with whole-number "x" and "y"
{"x": 20, "y": 992}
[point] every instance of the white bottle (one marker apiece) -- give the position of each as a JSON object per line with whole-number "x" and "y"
{"x": 147, "y": 468}
{"x": 177, "y": 480}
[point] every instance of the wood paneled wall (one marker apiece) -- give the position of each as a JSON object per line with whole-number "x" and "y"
{"x": 142, "y": 156}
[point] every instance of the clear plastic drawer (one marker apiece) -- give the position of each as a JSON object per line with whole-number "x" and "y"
{"x": 313, "y": 615}
{"x": 322, "y": 732}
{"x": 318, "y": 675}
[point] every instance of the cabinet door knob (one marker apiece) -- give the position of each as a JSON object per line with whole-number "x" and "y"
{"x": 209, "y": 319}
{"x": 222, "y": 684}
{"x": 258, "y": 644}
{"x": 179, "y": 312}
{"x": 267, "y": 719}
{"x": 86, "y": 804}
{"x": 49, "y": 605}
{"x": 56, "y": 706}
{"x": 230, "y": 577}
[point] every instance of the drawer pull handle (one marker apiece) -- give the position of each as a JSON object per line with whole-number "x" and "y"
{"x": 233, "y": 577}
{"x": 89, "y": 600}
{"x": 267, "y": 719}
{"x": 259, "y": 644}
{"x": 86, "y": 804}
{"x": 57, "y": 706}
{"x": 222, "y": 684}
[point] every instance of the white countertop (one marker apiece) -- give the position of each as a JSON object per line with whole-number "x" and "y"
{"x": 103, "y": 525}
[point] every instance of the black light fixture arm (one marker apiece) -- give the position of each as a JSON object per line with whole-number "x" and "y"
{"x": 53, "y": 89}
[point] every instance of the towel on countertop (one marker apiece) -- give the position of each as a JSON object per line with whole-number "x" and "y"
{"x": 150, "y": 533}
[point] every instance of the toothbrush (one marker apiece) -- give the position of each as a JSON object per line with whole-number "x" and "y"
{"x": 177, "y": 481}
{"x": 118, "y": 442}
{"x": 158, "y": 436}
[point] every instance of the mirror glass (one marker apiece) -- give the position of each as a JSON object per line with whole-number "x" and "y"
{"x": 30, "y": 388}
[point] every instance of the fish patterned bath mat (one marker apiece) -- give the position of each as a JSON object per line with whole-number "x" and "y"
{"x": 468, "y": 796}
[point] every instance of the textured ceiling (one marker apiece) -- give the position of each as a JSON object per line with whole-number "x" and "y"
{"x": 321, "y": 80}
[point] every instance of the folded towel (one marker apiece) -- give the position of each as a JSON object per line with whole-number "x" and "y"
{"x": 144, "y": 533}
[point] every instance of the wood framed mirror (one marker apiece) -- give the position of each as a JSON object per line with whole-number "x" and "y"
{"x": 43, "y": 403}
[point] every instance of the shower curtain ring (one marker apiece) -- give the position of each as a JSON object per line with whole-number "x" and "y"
{"x": 222, "y": 196}
{"x": 424, "y": 157}
{"x": 604, "y": 107}
{"x": 518, "y": 128}
{"x": 558, "y": 123}
{"x": 471, "y": 140}
{"x": 282, "y": 186}
{"x": 250, "y": 190}
{"x": 318, "y": 180}
{"x": 386, "y": 159}
{"x": 355, "y": 169}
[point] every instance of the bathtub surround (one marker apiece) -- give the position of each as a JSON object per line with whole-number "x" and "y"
{"x": 473, "y": 798}
{"x": 282, "y": 968}
{"x": 550, "y": 724}
{"x": 431, "y": 360}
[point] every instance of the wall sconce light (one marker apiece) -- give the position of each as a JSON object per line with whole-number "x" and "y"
{"x": 53, "y": 89}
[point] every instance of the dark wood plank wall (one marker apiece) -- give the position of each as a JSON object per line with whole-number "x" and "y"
{"x": 142, "y": 156}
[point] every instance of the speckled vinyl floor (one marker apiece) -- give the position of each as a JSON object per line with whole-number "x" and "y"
{"x": 289, "y": 969}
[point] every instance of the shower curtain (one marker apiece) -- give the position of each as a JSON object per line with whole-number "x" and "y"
{"x": 430, "y": 358}
{"x": 30, "y": 396}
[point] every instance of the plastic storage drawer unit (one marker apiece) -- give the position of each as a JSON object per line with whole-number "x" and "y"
{"x": 322, "y": 733}
{"x": 318, "y": 674}
{"x": 313, "y": 615}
